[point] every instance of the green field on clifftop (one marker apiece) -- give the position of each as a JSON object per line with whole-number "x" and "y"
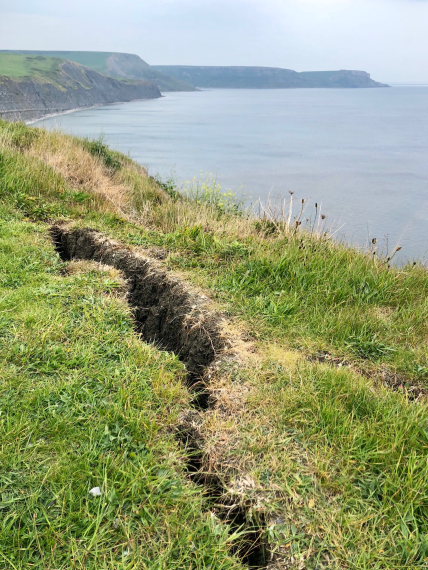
{"x": 22, "y": 66}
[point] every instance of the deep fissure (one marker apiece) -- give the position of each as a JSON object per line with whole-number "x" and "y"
{"x": 169, "y": 314}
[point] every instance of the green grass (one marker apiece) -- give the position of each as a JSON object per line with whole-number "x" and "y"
{"x": 335, "y": 458}
{"x": 339, "y": 467}
{"x": 85, "y": 403}
{"x": 23, "y": 66}
{"x": 110, "y": 159}
{"x": 132, "y": 68}
{"x": 94, "y": 59}
{"x": 313, "y": 295}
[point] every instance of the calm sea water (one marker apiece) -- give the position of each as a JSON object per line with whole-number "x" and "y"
{"x": 362, "y": 154}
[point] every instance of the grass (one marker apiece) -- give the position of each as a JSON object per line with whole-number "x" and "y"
{"x": 338, "y": 465}
{"x": 130, "y": 68}
{"x": 332, "y": 453}
{"x": 97, "y": 60}
{"x": 312, "y": 294}
{"x": 24, "y": 66}
{"x": 84, "y": 404}
{"x": 94, "y": 59}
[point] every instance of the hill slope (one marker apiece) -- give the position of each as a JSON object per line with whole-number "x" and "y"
{"x": 119, "y": 66}
{"x": 297, "y": 438}
{"x": 266, "y": 77}
{"x": 34, "y": 86}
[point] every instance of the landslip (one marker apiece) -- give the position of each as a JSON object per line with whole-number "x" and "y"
{"x": 193, "y": 386}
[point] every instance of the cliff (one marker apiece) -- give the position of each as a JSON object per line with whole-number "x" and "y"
{"x": 342, "y": 79}
{"x": 119, "y": 66}
{"x": 266, "y": 77}
{"x": 34, "y": 86}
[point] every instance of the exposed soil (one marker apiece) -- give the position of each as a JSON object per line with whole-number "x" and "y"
{"x": 166, "y": 310}
{"x": 171, "y": 314}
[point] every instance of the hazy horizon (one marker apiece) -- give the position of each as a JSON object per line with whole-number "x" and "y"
{"x": 386, "y": 38}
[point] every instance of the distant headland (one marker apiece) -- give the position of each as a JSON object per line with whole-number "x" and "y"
{"x": 266, "y": 77}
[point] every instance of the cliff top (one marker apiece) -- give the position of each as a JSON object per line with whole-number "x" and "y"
{"x": 16, "y": 65}
{"x": 62, "y": 73}
{"x": 266, "y": 77}
{"x": 34, "y": 85}
{"x": 304, "y": 435}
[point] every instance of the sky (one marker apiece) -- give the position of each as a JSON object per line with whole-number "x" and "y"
{"x": 387, "y": 38}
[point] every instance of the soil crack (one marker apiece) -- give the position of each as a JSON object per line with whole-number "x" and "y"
{"x": 170, "y": 314}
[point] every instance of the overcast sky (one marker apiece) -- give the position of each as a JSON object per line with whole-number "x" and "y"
{"x": 388, "y": 38}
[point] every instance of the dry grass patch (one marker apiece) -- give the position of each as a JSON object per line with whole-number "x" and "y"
{"x": 68, "y": 157}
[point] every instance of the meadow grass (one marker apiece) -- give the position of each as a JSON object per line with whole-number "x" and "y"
{"x": 20, "y": 66}
{"x": 84, "y": 404}
{"x": 319, "y": 297}
{"x": 95, "y": 60}
{"x": 333, "y": 454}
{"x": 337, "y": 466}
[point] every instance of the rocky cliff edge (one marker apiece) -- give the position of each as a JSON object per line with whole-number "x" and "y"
{"x": 72, "y": 86}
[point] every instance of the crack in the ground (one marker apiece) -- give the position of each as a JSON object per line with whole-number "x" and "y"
{"x": 168, "y": 313}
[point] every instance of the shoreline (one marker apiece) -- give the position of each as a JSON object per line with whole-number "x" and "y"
{"x": 47, "y": 116}
{"x": 67, "y": 112}
{"x": 74, "y": 110}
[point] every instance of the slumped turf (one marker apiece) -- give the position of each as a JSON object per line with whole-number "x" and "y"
{"x": 340, "y": 467}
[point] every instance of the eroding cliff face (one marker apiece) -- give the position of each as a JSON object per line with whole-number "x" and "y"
{"x": 72, "y": 87}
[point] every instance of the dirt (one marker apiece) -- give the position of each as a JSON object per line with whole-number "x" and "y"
{"x": 169, "y": 313}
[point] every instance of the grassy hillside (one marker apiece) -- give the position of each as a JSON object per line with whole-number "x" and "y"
{"x": 119, "y": 66}
{"x": 33, "y": 86}
{"x": 316, "y": 428}
{"x": 20, "y": 66}
{"x": 97, "y": 60}
{"x": 85, "y": 404}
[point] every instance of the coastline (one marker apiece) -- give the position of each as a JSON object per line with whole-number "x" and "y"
{"x": 76, "y": 109}
{"x": 67, "y": 112}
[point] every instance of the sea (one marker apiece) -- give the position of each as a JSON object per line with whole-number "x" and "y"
{"x": 358, "y": 156}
